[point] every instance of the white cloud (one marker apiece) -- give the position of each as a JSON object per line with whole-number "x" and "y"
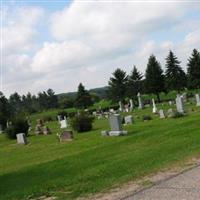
{"x": 91, "y": 39}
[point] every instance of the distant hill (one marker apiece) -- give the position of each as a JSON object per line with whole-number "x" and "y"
{"x": 100, "y": 92}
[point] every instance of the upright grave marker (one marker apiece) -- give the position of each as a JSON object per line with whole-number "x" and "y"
{"x": 179, "y": 104}
{"x": 131, "y": 104}
{"x": 161, "y": 113}
{"x": 120, "y": 106}
{"x": 128, "y": 119}
{"x": 154, "y": 106}
{"x": 115, "y": 122}
{"x": 197, "y": 99}
{"x": 63, "y": 123}
{"x": 141, "y": 106}
{"x": 21, "y": 138}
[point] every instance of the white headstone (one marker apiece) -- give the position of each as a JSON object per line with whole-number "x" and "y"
{"x": 63, "y": 123}
{"x": 131, "y": 104}
{"x": 179, "y": 104}
{"x": 154, "y": 106}
{"x": 197, "y": 99}
{"x": 141, "y": 106}
{"x": 21, "y": 138}
{"x": 128, "y": 119}
{"x": 161, "y": 113}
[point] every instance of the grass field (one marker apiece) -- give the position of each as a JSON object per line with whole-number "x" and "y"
{"x": 92, "y": 163}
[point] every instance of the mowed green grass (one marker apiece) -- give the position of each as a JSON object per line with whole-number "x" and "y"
{"x": 92, "y": 163}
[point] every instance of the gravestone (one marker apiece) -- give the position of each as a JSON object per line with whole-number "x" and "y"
{"x": 154, "y": 107}
{"x": 131, "y": 104}
{"x": 128, "y": 119}
{"x": 116, "y": 125}
{"x": 170, "y": 112}
{"x": 21, "y": 138}
{"x": 59, "y": 118}
{"x": 63, "y": 123}
{"x": 65, "y": 136}
{"x": 179, "y": 104}
{"x": 126, "y": 108}
{"x": 120, "y": 106}
{"x": 141, "y": 105}
{"x": 197, "y": 99}
{"x": 161, "y": 114}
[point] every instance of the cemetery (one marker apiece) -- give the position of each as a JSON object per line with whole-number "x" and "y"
{"x": 100, "y": 100}
{"x": 85, "y": 163}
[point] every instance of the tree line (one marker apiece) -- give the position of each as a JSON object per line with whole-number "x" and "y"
{"x": 155, "y": 80}
{"x": 120, "y": 86}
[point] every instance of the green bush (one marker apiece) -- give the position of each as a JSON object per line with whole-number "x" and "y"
{"x": 82, "y": 122}
{"x": 18, "y": 125}
{"x": 146, "y": 118}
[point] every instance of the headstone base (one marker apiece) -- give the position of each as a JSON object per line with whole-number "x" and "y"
{"x": 113, "y": 133}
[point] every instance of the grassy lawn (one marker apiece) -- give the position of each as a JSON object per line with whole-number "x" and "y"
{"x": 92, "y": 163}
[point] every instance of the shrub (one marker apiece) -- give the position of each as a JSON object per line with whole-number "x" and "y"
{"x": 18, "y": 125}
{"x": 82, "y": 122}
{"x": 147, "y": 118}
{"x": 178, "y": 115}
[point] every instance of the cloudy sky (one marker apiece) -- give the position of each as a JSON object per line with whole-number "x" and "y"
{"x": 58, "y": 44}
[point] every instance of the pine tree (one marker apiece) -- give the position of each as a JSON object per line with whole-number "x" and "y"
{"x": 83, "y": 99}
{"x": 193, "y": 70}
{"x": 117, "y": 85}
{"x": 155, "y": 81}
{"x": 134, "y": 83}
{"x": 175, "y": 76}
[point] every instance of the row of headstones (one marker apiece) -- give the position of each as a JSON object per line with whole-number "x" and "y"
{"x": 179, "y": 103}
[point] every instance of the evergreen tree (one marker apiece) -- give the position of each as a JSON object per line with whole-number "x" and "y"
{"x": 175, "y": 76}
{"x": 15, "y": 102}
{"x": 193, "y": 71}
{"x": 5, "y": 110}
{"x": 134, "y": 83}
{"x": 154, "y": 82}
{"x": 117, "y": 85}
{"x": 52, "y": 99}
{"x": 83, "y": 99}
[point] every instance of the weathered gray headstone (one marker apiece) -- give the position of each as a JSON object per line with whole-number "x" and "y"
{"x": 115, "y": 122}
{"x": 197, "y": 99}
{"x": 154, "y": 106}
{"x": 179, "y": 104}
{"x": 141, "y": 106}
{"x": 116, "y": 125}
{"x": 170, "y": 112}
{"x": 21, "y": 138}
{"x": 128, "y": 119}
{"x": 120, "y": 106}
{"x": 131, "y": 104}
{"x": 161, "y": 113}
